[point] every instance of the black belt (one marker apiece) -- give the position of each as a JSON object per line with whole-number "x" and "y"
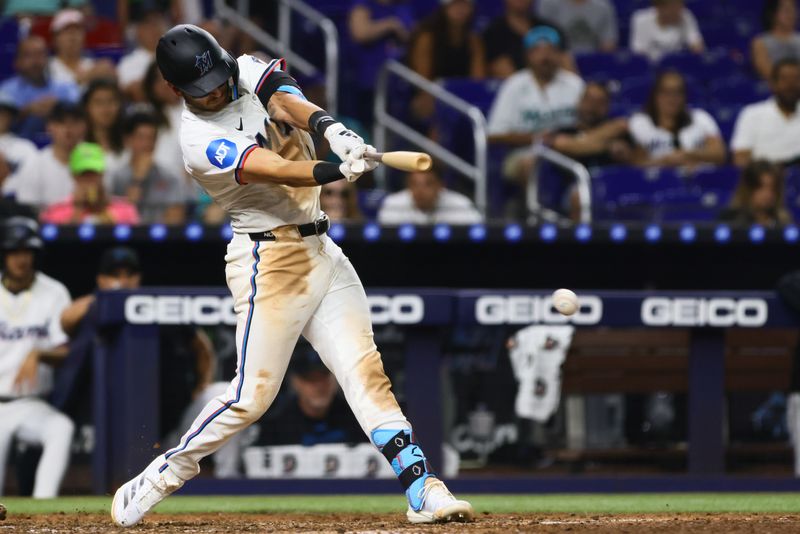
{"x": 318, "y": 227}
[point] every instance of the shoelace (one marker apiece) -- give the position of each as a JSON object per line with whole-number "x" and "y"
{"x": 426, "y": 490}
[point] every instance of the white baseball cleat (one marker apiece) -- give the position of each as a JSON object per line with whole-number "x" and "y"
{"x": 138, "y": 496}
{"x": 439, "y": 505}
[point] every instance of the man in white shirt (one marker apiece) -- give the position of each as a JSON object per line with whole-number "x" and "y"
{"x": 133, "y": 66}
{"x": 534, "y": 102}
{"x": 665, "y": 28}
{"x": 19, "y": 154}
{"x": 540, "y": 99}
{"x": 426, "y": 201}
{"x": 770, "y": 130}
{"x": 49, "y": 181}
{"x": 31, "y": 339}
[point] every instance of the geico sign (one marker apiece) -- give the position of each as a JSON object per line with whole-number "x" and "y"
{"x": 519, "y": 309}
{"x": 397, "y": 309}
{"x": 659, "y": 311}
{"x": 168, "y": 309}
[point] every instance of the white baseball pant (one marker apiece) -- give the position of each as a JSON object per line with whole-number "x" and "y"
{"x": 33, "y": 421}
{"x": 282, "y": 289}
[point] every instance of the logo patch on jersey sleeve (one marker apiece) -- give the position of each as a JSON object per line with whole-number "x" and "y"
{"x": 221, "y": 153}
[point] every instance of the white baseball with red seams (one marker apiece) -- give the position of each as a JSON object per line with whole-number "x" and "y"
{"x": 565, "y": 301}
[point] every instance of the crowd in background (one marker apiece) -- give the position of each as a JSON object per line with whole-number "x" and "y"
{"x": 68, "y": 100}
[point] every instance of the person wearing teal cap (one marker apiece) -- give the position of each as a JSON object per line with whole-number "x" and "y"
{"x": 89, "y": 202}
{"x": 534, "y": 102}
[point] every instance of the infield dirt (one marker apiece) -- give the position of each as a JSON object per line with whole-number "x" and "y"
{"x": 366, "y": 523}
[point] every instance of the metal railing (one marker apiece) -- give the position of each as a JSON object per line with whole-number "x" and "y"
{"x": 582, "y": 182}
{"x": 384, "y": 122}
{"x": 281, "y": 46}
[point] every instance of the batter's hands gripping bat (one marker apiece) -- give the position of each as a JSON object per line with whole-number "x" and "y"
{"x": 404, "y": 161}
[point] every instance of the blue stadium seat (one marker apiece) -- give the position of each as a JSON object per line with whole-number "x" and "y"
{"x": 713, "y": 64}
{"x": 725, "y": 115}
{"x": 617, "y": 66}
{"x": 716, "y": 185}
{"x": 737, "y": 91}
{"x": 478, "y": 92}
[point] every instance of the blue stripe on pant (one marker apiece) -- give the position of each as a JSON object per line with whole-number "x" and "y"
{"x": 231, "y": 402}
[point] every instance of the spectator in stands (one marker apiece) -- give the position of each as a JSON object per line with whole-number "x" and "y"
{"x": 444, "y": 45}
{"x": 39, "y": 7}
{"x": 18, "y": 156}
{"x": 316, "y": 413}
{"x": 50, "y": 181}
{"x": 35, "y": 93}
{"x": 89, "y": 201}
{"x": 780, "y": 39}
{"x": 70, "y": 64}
{"x": 670, "y": 132}
{"x": 167, "y": 108}
{"x": 504, "y": 38}
{"x": 380, "y": 30}
{"x": 339, "y": 200}
{"x": 769, "y": 130}
{"x": 150, "y": 26}
{"x": 596, "y": 139}
{"x": 759, "y": 197}
{"x": 31, "y": 341}
{"x": 539, "y": 99}
{"x": 665, "y": 28}
{"x": 157, "y": 193}
{"x": 426, "y": 201}
{"x": 590, "y": 25}
{"x": 103, "y": 104}
{"x": 534, "y": 102}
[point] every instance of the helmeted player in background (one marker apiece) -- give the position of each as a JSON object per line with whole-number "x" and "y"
{"x": 30, "y": 339}
{"x": 245, "y": 138}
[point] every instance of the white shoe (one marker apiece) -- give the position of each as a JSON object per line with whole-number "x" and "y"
{"x": 138, "y": 496}
{"x": 439, "y": 505}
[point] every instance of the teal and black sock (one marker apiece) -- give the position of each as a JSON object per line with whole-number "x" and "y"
{"x": 407, "y": 459}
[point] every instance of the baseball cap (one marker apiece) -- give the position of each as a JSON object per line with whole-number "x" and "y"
{"x": 541, "y": 34}
{"x": 87, "y": 157}
{"x": 64, "y": 18}
{"x": 306, "y": 361}
{"x": 117, "y": 258}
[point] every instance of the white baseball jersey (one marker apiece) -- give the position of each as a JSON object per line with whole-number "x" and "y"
{"x": 30, "y": 320}
{"x": 216, "y": 145}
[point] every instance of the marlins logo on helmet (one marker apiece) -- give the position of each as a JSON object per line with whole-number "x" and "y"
{"x": 203, "y": 62}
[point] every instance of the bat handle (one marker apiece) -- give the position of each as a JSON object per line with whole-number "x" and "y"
{"x": 375, "y": 156}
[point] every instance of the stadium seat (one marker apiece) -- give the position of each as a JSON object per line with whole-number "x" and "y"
{"x": 713, "y": 64}
{"x": 476, "y": 92}
{"x": 619, "y": 66}
{"x": 737, "y": 91}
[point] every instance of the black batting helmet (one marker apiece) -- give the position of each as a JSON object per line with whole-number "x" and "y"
{"x": 192, "y": 60}
{"x": 21, "y": 233}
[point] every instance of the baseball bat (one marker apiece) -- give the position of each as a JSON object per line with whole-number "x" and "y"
{"x": 404, "y": 161}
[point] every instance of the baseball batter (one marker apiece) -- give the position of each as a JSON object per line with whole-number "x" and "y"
{"x": 245, "y": 138}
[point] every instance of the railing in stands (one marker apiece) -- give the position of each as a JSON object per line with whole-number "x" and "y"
{"x": 280, "y": 46}
{"x": 384, "y": 122}
{"x": 582, "y": 183}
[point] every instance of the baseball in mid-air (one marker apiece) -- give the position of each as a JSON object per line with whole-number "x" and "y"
{"x": 565, "y": 301}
